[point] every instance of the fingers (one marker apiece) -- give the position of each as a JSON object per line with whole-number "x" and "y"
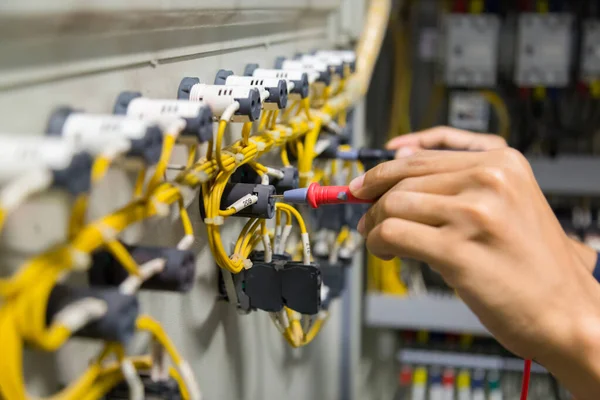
{"x": 383, "y": 177}
{"x": 447, "y": 138}
{"x": 428, "y": 209}
{"x": 403, "y": 238}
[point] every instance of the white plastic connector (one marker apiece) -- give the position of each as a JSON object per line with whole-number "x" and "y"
{"x": 220, "y": 98}
{"x": 16, "y": 191}
{"x": 244, "y": 202}
{"x": 152, "y": 109}
{"x": 79, "y": 313}
{"x": 21, "y": 154}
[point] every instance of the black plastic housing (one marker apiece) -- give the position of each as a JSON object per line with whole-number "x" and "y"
{"x": 177, "y": 275}
{"x": 262, "y": 285}
{"x": 245, "y": 174}
{"x": 334, "y": 277}
{"x": 76, "y": 178}
{"x": 264, "y": 208}
{"x": 117, "y": 325}
{"x": 164, "y": 390}
{"x": 301, "y": 287}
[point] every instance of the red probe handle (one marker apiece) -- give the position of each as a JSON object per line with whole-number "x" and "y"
{"x": 318, "y": 195}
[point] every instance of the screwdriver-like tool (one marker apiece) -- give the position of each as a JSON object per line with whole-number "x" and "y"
{"x": 316, "y": 195}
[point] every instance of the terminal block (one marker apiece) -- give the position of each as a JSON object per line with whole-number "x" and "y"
{"x": 301, "y": 287}
{"x": 262, "y": 285}
{"x": 70, "y": 167}
{"x": 544, "y": 50}
{"x": 177, "y": 275}
{"x": 298, "y": 84}
{"x": 274, "y": 91}
{"x": 317, "y": 71}
{"x": 117, "y": 325}
{"x": 590, "y": 54}
{"x": 471, "y": 50}
{"x": 220, "y": 98}
{"x": 96, "y": 132}
{"x": 197, "y": 116}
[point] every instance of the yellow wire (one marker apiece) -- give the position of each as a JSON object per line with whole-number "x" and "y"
{"x": 501, "y": 111}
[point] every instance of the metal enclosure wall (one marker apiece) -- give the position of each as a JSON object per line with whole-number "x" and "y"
{"x": 83, "y": 53}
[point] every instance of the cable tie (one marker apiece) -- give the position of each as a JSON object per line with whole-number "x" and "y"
{"x": 80, "y": 260}
{"x": 275, "y": 134}
{"x": 247, "y": 264}
{"x": 202, "y": 176}
{"x": 217, "y": 221}
{"x": 162, "y": 209}
{"x": 306, "y": 174}
{"x": 260, "y": 146}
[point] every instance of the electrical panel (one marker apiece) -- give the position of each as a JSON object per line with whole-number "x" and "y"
{"x": 590, "y": 52}
{"x": 470, "y": 111}
{"x": 544, "y": 47}
{"x": 471, "y": 50}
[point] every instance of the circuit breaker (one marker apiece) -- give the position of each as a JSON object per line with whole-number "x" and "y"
{"x": 590, "y": 54}
{"x": 470, "y": 111}
{"x": 544, "y": 47}
{"x": 471, "y": 50}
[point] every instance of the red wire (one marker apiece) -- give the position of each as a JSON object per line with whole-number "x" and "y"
{"x": 526, "y": 376}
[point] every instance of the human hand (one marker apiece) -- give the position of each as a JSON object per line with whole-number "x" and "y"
{"x": 444, "y": 137}
{"x": 481, "y": 220}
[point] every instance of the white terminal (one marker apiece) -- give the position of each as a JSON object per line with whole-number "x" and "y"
{"x": 348, "y": 56}
{"x": 92, "y": 132}
{"x": 220, "y": 97}
{"x": 312, "y": 70}
{"x": 21, "y": 154}
{"x": 329, "y": 60}
{"x": 261, "y": 84}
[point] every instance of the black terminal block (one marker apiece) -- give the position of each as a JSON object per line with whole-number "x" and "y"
{"x": 164, "y": 390}
{"x": 334, "y": 277}
{"x": 148, "y": 148}
{"x": 259, "y": 256}
{"x": 264, "y": 208}
{"x": 301, "y": 287}
{"x": 117, "y": 325}
{"x": 177, "y": 276}
{"x": 262, "y": 285}
{"x": 199, "y": 126}
{"x": 76, "y": 178}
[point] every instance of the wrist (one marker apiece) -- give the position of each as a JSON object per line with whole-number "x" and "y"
{"x": 586, "y": 254}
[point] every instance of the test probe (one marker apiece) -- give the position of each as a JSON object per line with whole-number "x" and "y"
{"x": 316, "y": 195}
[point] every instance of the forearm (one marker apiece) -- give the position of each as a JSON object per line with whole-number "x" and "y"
{"x": 586, "y": 254}
{"x": 575, "y": 358}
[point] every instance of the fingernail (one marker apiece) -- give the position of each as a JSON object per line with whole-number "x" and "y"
{"x": 361, "y": 225}
{"x": 357, "y": 183}
{"x": 404, "y": 152}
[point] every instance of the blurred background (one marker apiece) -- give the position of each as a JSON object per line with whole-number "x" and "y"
{"x": 528, "y": 70}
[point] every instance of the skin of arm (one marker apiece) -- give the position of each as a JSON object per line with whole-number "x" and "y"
{"x": 444, "y": 137}
{"x": 480, "y": 219}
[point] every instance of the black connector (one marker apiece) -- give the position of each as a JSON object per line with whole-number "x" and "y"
{"x": 301, "y": 287}
{"x": 331, "y": 151}
{"x": 334, "y": 277}
{"x": 262, "y": 285}
{"x": 281, "y": 259}
{"x": 164, "y": 390}
{"x": 117, "y": 325}
{"x": 177, "y": 276}
{"x": 245, "y": 174}
{"x": 76, "y": 178}
{"x": 263, "y": 208}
